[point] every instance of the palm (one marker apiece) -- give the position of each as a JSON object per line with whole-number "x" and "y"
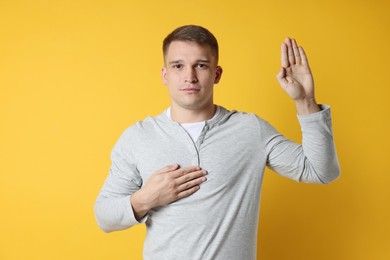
{"x": 295, "y": 76}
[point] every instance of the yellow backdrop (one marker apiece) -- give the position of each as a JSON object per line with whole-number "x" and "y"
{"x": 75, "y": 74}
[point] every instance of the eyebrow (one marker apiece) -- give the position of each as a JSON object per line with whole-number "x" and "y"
{"x": 181, "y": 61}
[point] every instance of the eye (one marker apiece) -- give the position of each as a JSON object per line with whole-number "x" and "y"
{"x": 201, "y": 65}
{"x": 177, "y": 66}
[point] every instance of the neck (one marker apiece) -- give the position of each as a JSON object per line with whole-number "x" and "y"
{"x": 182, "y": 115}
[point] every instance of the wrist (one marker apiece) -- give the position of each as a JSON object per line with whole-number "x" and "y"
{"x": 307, "y": 106}
{"x": 140, "y": 207}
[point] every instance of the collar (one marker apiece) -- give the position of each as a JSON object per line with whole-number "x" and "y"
{"x": 220, "y": 116}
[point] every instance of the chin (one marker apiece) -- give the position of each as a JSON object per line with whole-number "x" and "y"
{"x": 193, "y": 104}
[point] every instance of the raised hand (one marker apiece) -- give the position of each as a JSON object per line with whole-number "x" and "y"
{"x": 165, "y": 186}
{"x": 295, "y": 77}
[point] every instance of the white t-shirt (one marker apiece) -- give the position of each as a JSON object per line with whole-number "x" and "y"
{"x": 193, "y": 129}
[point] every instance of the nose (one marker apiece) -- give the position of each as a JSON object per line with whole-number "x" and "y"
{"x": 190, "y": 76}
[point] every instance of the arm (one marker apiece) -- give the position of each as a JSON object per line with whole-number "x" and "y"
{"x": 315, "y": 160}
{"x": 124, "y": 201}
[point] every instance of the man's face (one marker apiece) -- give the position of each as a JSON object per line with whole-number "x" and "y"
{"x": 190, "y": 73}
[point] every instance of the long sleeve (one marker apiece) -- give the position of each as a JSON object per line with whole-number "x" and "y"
{"x": 113, "y": 209}
{"x": 315, "y": 160}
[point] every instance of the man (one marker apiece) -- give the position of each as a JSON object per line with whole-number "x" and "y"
{"x": 193, "y": 174}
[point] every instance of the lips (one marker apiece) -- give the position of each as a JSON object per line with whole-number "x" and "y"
{"x": 190, "y": 90}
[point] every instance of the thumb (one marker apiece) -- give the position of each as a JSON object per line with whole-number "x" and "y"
{"x": 281, "y": 76}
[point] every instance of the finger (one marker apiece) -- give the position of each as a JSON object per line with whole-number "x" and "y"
{"x": 190, "y": 176}
{"x": 284, "y": 56}
{"x": 290, "y": 52}
{"x": 188, "y": 192}
{"x": 296, "y": 52}
{"x": 184, "y": 171}
{"x": 189, "y": 184}
{"x": 303, "y": 56}
{"x": 168, "y": 168}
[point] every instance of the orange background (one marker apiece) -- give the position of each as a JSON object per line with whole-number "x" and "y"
{"x": 75, "y": 74}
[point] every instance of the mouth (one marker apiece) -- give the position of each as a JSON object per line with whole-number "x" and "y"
{"x": 190, "y": 90}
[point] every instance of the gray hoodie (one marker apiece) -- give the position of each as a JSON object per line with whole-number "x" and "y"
{"x": 220, "y": 220}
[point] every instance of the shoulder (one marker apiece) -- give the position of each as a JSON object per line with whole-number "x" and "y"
{"x": 245, "y": 117}
{"x": 141, "y": 129}
{"x": 249, "y": 121}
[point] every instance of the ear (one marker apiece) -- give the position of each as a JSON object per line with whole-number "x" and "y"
{"x": 218, "y": 74}
{"x": 164, "y": 75}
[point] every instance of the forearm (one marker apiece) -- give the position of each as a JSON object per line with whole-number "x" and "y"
{"x": 114, "y": 214}
{"x": 318, "y": 147}
{"x": 315, "y": 161}
{"x": 113, "y": 210}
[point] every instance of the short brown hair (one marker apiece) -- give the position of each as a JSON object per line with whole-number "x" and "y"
{"x": 192, "y": 33}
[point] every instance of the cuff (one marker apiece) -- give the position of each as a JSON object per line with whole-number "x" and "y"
{"x": 324, "y": 114}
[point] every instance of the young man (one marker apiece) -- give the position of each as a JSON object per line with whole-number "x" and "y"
{"x": 193, "y": 174}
